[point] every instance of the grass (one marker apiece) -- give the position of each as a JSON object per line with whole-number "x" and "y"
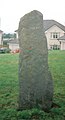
{"x": 9, "y": 89}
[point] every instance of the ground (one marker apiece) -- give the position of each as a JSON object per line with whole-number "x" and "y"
{"x": 9, "y": 89}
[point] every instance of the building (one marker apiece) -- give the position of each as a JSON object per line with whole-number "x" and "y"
{"x": 62, "y": 42}
{"x": 1, "y": 39}
{"x": 54, "y": 32}
{"x": 13, "y": 44}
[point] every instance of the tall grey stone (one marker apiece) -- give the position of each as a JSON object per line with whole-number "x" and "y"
{"x": 36, "y": 85}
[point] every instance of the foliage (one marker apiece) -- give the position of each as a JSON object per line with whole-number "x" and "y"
{"x": 5, "y": 42}
{"x": 9, "y": 35}
{"x": 9, "y": 89}
{"x": 4, "y": 50}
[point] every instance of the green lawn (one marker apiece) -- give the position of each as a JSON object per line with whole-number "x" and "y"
{"x": 9, "y": 89}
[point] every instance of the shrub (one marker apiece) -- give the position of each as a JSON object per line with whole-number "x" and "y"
{"x": 4, "y": 50}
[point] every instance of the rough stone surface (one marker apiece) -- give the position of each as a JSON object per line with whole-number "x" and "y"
{"x": 36, "y": 86}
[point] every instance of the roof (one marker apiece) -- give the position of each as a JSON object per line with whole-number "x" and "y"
{"x": 16, "y": 31}
{"x": 62, "y": 38}
{"x": 49, "y": 23}
{"x": 13, "y": 41}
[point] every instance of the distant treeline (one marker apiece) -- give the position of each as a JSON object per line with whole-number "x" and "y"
{"x": 9, "y": 35}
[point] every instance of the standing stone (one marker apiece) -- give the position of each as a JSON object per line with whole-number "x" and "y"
{"x": 36, "y": 86}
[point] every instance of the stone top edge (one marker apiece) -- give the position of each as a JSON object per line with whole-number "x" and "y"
{"x": 31, "y": 13}
{"x": 36, "y": 11}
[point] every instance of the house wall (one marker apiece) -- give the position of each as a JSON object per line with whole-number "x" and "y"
{"x": 1, "y": 42}
{"x": 63, "y": 45}
{"x": 17, "y": 35}
{"x": 50, "y": 41}
{"x": 13, "y": 46}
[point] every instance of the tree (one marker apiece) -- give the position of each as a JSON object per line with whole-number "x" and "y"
{"x": 9, "y": 35}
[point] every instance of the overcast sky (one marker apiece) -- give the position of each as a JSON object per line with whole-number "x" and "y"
{"x": 12, "y": 10}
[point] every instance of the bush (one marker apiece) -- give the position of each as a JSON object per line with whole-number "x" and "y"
{"x": 4, "y": 50}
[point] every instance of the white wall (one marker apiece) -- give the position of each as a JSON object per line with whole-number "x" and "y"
{"x": 1, "y": 42}
{"x": 63, "y": 45}
{"x": 13, "y": 46}
{"x": 48, "y": 33}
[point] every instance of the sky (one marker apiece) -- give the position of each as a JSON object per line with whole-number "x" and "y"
{"x": 12, "y": 10}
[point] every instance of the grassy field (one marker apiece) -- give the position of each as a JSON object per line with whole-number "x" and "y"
{"x": 9, "y": 89}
